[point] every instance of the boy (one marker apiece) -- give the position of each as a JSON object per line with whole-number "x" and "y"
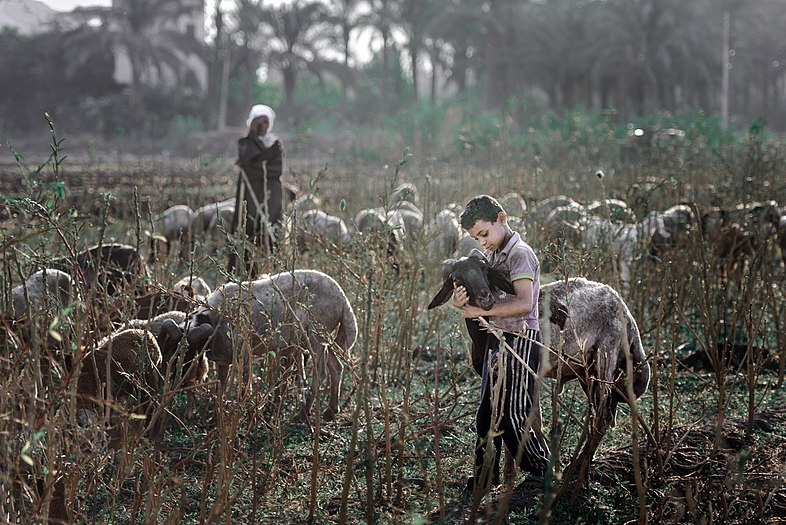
{"x": 517, "y": 316}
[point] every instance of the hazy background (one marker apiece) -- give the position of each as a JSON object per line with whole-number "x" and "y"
{"x": 373, "y": 77}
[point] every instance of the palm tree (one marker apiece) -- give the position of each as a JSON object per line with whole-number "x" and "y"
{"x": 144, "y": 31}
{"x": 345, "y": 14}
{"x": 298, "y": 34}
{"x": 643, "y": 42}
{"x": 382, "y": 18}
{"x": 455, "y": 32}
{"x": 414, "y": 18}
{"x": 251, "y": 40}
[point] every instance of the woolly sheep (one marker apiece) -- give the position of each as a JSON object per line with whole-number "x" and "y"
{"x": 623, "y": 239}
{"x": 173, "y": 224}
{"x": 45, "y": 288}
{"x": 134, "y": 373}
{"x": 565, "y": 222}
{"x": 223, "y": 218}
{"x": 587, "y": 330}
{"x": 613, "y": 209}
{"x": 289, "y": 310}
{"x": 205, "y": 216}
{"x": 371, "y": 224}
{"x": 406, "y": 191}
{"x": 732, "y": 245}
{"x": 317, "y": 223}
{"x": 411, "y": 217}
{"x": 444, "y": 234}
{"x": 305, "y": 202}
{"x": 513, "y": 204}
{"x": 758, "y": 218}
{"x": 544, "y": 207}
{"x": 154, "y": 325}
{"x": 192, "y": 286}
{"x": 370, "y": 220}
{"x": 167, "y": 330}
{"x": 183, "y": 296}
{"x": 678, "y": 221}
{"x": 105, "y": 269}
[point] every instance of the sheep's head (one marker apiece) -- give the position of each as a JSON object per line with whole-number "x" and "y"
{"x": 172, "y": 334}
{"x": 475, "y": 273}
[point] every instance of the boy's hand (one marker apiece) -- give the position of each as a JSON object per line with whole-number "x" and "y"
{"x": 460, "y": 297}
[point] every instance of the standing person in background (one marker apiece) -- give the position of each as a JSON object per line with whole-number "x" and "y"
{"x": 259, "y": 195}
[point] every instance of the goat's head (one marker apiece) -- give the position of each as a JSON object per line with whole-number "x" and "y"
{"x": 475, "y": 273}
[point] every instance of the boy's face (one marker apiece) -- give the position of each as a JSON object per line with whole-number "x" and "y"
{"x": 490, "y": 235}
{"x": 260, "y": 125}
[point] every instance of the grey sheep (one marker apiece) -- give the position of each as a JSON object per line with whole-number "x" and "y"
{"x": 45, "y": 288}
{"x": 155, "y": 324}
{"x": 444, "y": 234}
{"x": 409, "y": 216}
{"x": 513, "y": 204}
{"x": 543, "y": 207}
{"x": 318, "y": 224}
{"x": 173, "y": 224}
{"x": 406, "y": 191}
{"x": 288, "y": 311}
{"x": 206, "y": 215}
{"x": 613, "y": 209}
{"x": 588, "y": 331}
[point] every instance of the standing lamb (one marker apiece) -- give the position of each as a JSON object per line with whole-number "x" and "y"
{"x": 289, "y": 311}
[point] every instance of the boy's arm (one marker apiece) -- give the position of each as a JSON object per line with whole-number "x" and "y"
{"x": 520, "y": 304}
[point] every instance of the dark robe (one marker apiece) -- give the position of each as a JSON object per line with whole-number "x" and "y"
{"x": 262, "y": 167}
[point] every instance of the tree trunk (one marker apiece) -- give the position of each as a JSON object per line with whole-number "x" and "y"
{"x": 415, "y": 52}
{"x": 214, "y": 89}
{"x": 383, "y": 84}
{"x": 460, "y": 69}
{"x": 346, "y": 67}
{"x": 290, "y": 78}
{"x": 434, "y": 73}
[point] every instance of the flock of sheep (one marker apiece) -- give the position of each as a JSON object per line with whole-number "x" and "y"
{"x": 176, "y": 332}
{"x": 286, "y": 308}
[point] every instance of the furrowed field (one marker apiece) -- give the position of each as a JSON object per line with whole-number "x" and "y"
{"x": 707, "y": 446}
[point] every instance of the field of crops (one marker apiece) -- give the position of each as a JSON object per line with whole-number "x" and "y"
{"x": 707, "y": 445}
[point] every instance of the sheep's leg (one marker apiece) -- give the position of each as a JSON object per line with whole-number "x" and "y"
{"x": 308, "y": 398}
{"x": 336, "y": 371}
{"x": 605, "y": 407}
{"x": 190, "y": 404}
{"x": 318, "y": 374}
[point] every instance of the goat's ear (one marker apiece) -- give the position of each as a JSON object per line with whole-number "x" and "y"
{"x": 443, "y": 294}
{"x": 499, "y": 280}
{"x": 447, "y": 284}
{"x": 477, "y": 253}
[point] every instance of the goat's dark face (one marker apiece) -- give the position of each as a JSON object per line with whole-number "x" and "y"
{"x": 477, "y": 276}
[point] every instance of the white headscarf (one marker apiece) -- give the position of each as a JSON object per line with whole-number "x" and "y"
{"x": 260, "y": 110}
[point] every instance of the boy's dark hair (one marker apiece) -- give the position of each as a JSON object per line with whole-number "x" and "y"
{"x": 480, "y": 208}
